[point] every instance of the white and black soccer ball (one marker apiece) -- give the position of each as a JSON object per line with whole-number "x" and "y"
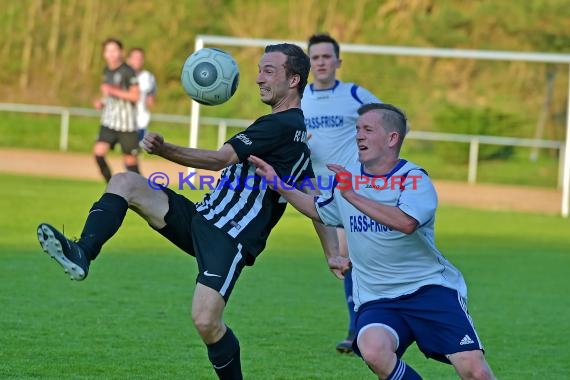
{"x": 210, "y": 76}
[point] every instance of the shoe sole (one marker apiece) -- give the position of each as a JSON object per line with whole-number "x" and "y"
{"x": 52, "y": 247}
{"x": 344, "y": 350}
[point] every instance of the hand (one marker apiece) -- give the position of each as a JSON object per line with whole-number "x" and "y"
{"x": 339, "y": 265}
{"x": 263, "y": 169}
{"x": 343, "y": 177}
{"x": 108, "y": 89}
{"x": 153, "y": 143}
{"x": 98, "y": 104}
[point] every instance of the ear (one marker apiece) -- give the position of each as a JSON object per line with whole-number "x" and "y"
{"x": 393, "y": 139}
{"x": 339, "y": 63}
{"x": 294, "y": 80}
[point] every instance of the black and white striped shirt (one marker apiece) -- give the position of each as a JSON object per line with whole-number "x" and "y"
{"x": 242, "y": 204}
{"x": 119, "y": 114}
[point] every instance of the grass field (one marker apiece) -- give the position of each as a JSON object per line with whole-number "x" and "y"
{"x": 42, "y": 132}
{"x": 130, "y": 318}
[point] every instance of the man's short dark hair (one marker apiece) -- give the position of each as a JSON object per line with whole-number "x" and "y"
{"x": 324, "y": 37}
{"x": 112, "y": 40}
{"x": 297, "y": 62}
{"x": 393, "y": 118}
{"x": 136, "y": 49}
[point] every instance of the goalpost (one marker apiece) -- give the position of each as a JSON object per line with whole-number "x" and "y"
{"x": 202, "y": 40}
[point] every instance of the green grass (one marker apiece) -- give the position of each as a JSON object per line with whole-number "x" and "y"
{"x": 130, "y": 318}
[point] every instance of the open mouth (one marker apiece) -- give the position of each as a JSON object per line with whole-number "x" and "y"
{"x": 362, "y": 147}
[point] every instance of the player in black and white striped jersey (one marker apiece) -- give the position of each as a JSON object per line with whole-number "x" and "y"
{"x": 120, "y": 92}
{"x": 230, "y": 227}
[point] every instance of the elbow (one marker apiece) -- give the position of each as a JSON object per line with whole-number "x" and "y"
{"x": 409, "y": 226}
{"x": 218, "y": 165}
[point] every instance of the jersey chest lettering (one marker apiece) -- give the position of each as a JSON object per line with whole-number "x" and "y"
{"x": 324, "y": 121}
{"x": 363, "y": 223}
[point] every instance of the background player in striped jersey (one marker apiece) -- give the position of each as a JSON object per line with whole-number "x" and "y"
{"x": 120, "y": 92}
{"x": 330, "y": 106}
{"x": 229, "y": 228}
{"x": 405, "y": 290}
{"x": 147, "y": 88}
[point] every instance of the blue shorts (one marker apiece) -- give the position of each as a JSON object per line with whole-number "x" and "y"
{"x": 141, "y": 133}
{"x": 435, "y": 317}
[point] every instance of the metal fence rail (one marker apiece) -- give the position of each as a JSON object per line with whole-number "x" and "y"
{"x": 223, "y": 123}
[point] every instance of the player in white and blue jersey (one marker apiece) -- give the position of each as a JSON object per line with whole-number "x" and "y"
{"x": 405, "y": 290}
{"x": 330, "y": 108}
{"x": 147, "y": 88}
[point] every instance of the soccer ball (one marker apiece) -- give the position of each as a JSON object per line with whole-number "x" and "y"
{"x": 210, "y": 76}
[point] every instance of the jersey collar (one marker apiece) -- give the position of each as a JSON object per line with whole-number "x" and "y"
{"x": 336, "y": 84}
{"x": 398, "y": 166}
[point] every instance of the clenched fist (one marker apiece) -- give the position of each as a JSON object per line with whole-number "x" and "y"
{"x": 153, "y": 143}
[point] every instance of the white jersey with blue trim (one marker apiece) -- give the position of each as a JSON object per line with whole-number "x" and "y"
{"x": 387, "y": 263}
{"x": 330, "y": 117}
{"x": 147, "y": 87}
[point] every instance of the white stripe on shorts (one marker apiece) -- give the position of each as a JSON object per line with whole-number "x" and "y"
{"x": 464, "y": 308}
{"x": 390, "y": 329}
{"x": 231, "y": 272}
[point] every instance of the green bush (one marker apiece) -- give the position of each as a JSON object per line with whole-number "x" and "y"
{"x": 474, "y": 121}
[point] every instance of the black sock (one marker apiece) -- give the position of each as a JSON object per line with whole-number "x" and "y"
{"x": 224, "y": 356}
{"x": 104, "y": 219}
{"x": 133, "y": 168}
{"x": 105, "y": 170}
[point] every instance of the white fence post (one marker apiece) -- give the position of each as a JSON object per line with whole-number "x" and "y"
{"x": 64, "y": 130}
{"x": 473, "y": 160}
{"x": 222, "y": 132}
{"x": 561, "y": 153}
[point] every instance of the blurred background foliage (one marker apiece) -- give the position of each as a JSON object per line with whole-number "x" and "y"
{"x": 50, "y": 53}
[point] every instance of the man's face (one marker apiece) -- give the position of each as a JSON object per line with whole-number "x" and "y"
{"x": 136, "y": 60}
{"x": 324, "y": 62}
{"x": 373, "y": 141}
{"x": 112, "y": 54}
{"x": 272, "y": 78}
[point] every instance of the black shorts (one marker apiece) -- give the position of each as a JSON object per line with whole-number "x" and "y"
{"x": 129, "y": 141}
{"x": 220, "y": 258}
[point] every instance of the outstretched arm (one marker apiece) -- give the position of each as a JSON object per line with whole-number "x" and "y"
{"x": 305, "y": 204}
{"x": 197, "y": 158}
{"x": 390, "y": 216}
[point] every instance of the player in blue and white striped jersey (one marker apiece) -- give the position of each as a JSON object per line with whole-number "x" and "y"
{"x": 330, "y": 106}
{"x": 405, "y": 290}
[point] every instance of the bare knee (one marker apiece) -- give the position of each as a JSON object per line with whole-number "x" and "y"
{"x": 377, "y": 347}
{"x": 130, "y": 159}
{"x": 126, "y": 185}
{"x": 207, "y": 309}
{"x": 208, "y": 325}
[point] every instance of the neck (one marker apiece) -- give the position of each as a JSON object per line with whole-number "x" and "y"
{"x": 381, "y": 166}
{"x": 324, "y": 85}
{"x": 288, "y": 102}
{"x": 114, "y": 65}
